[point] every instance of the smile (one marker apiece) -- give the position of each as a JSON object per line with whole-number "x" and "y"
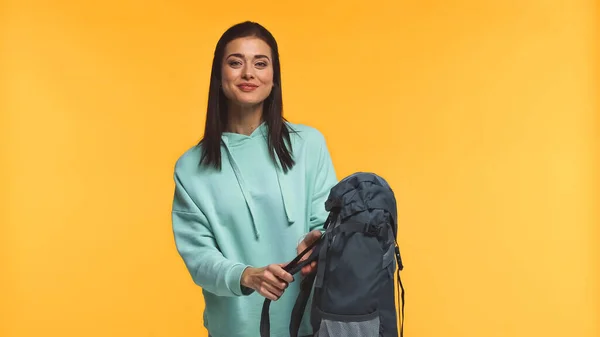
{"x": 247, "y": 87}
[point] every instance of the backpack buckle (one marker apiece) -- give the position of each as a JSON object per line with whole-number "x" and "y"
{"x": 372, "y": 230}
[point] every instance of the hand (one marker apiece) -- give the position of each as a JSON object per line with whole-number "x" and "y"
{"x": 269, "y": 281}
{"x": 311, "y": 237}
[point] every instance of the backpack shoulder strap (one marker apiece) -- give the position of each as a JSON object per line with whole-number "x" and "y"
{"x": 300, "y": 306}
{"x": 400, "y": 267}
{"x": 293, "y": 268}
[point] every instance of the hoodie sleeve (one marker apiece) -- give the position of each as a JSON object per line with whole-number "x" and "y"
{"x": 196, "y": 245}
{"x": 324, "y": 179}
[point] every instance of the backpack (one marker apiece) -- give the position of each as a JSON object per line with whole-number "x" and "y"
{"x": 353, "y": 285}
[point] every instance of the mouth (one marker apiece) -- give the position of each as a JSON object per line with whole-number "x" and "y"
{"x": 247, "y": 87}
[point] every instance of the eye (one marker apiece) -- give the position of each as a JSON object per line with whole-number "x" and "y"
{"x": 261, "y": 64}
{"x": 234, "y": 63}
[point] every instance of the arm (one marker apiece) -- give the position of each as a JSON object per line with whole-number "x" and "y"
{"x": 325, "y": 179}
{"x": 197, "y": 247}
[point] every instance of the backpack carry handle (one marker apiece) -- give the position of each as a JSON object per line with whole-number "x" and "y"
{"x": 293, "y": 268}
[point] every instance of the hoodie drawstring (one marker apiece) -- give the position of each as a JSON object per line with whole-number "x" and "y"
{"x": 240, "y": 181}
{"x": 286, "y": 195}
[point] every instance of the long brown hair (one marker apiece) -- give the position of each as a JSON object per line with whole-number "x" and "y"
{"x": 216, "y": 115}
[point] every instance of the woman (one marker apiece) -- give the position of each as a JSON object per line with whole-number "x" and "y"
{"x": 250, "y": 196}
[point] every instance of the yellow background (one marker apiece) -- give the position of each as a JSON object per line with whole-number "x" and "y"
{"x": 481, "y": 114}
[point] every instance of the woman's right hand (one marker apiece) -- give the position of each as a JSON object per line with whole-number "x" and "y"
{"x": 270, "y": 281}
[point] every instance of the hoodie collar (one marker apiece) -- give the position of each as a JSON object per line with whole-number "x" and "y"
{"x": 230, "y": 140}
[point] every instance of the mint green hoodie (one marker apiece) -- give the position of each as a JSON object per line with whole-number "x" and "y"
{"x": 248, "y": 214}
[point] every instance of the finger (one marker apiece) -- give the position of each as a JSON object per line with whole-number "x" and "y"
{"x": 275, "y": 281}
{"x": 274, "y": 289}
{"x": 305, "y": 256}
{"x": 309, "y": 238}
{"x": 309, "y": 268}
{"x": 281, "y": 274}
{"x": 267, "y": 291}
{"x": 314, "y": 234}
{"x": 300, "y": 249}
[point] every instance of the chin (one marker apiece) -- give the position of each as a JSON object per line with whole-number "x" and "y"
{"x": 246, "y": 101}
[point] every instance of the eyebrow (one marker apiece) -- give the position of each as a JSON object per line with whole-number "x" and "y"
{"x": 260, "y": 56}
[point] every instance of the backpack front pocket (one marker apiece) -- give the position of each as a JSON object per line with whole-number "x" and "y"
{"x": 332, "y": 325}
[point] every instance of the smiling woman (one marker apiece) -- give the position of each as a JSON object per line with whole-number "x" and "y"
{"x": 246, "y": 55}
{"x": 249, "y": 190}
{"x": 247, "y": 74}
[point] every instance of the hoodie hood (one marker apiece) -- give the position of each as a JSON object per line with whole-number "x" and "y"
{"x": 230, "y": 139}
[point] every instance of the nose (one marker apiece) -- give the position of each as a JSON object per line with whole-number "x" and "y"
{"x": 248, "y": 71}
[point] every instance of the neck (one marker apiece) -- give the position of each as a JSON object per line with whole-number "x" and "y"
{"x": 243, "y": 120}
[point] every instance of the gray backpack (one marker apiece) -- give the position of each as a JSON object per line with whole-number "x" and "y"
{"x": 353, "y": 285}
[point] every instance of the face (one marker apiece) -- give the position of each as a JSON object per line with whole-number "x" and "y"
{"x": 247, "y": 71}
